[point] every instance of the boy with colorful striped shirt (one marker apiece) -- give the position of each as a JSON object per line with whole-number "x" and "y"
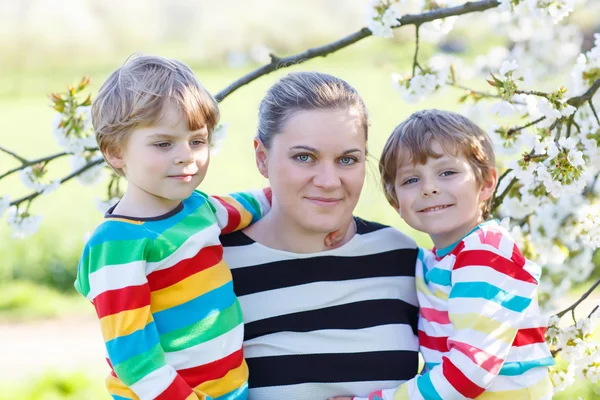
{"x": 153, "y": 269}
{"x": 480, "y": 329}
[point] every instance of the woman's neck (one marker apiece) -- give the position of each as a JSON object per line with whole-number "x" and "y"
{"x": 277, "y": 232}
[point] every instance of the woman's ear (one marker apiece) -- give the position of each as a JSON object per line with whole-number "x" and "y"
{"x": 490, "y": 180}
{"x": 260, "y": 152}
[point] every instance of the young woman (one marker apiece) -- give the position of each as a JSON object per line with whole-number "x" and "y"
{"x": 321, "y": 322}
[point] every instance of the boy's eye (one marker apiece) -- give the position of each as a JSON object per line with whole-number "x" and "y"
{"x": 410, "y": 180}
{"x": 304, "y": 158}
{"x": 347, "y": 160}
{"x": 197, "y": 142}
{"x": 162, "y": 145}
{"x": 447, "y": 173}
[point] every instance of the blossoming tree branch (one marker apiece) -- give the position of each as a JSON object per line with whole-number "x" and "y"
{"x": 547, "y": 141}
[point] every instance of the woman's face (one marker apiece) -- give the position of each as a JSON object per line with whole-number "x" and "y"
{"x": 316, "y": 168}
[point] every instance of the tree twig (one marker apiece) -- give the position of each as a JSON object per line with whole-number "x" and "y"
{"x": 409, "y": 19}
{"x": 18, "y": 157}
{"x": 415, "y": 58}
{"x": 520, "y": 128}
{"x": 577, "y": 101}
{"x": 582, "y": 298}
{"x": 594, "y": 111}
{"x": 498, "y": 200}
{"x": 72, "y": 175}
{"x": 33, "y": 162}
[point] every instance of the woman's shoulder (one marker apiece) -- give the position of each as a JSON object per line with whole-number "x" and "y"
{"x": 375, "y": 231}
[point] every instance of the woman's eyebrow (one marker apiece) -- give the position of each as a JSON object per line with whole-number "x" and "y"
{"x": 312, "y": 149}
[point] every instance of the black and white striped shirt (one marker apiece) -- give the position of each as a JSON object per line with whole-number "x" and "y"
{"x": 338, "y": 322}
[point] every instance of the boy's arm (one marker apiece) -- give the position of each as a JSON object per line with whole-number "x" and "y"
{"x": 112, "y": 276}
{"x": 238, "y": 210}
{"x": 486, "y": 304}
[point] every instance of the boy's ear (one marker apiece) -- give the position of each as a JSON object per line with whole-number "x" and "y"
{"x": 260, "y": 152}
{"x": 114, "y": 158}
{"x": 489, "y": 184}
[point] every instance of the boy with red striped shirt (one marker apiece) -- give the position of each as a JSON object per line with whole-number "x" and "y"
{"x": 480, "y": 329}
{"x": 153, "y": 269}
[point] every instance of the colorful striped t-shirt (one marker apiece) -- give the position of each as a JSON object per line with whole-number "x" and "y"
{"x": 171, "y": 323}
{"x": 480, "y": 328}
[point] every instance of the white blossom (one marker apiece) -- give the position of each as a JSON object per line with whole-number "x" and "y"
{"x": 91, "y": 176}
{"x": 51, "y": 187}
{"x": 22, "y": 225}
{"x": 217, "y": 138}
{"x": 503, "y": 109}
{"x": 381, "y": 23}
{"x": 508, "y": 66}
{"x": 4, "y": 204}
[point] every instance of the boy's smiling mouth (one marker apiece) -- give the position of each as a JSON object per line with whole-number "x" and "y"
{"x": 435, "y": 208}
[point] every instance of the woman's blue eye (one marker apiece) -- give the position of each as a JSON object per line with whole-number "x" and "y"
{"x": 347, "y": 160}
{"x": 304, "y": 157}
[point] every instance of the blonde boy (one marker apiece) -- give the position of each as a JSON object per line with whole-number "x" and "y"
{"x": 480, "y": 330}
{"x": 153, "y": 269}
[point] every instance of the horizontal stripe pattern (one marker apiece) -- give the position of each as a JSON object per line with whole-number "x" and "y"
{"x": 171, "y": 322}
{"x": 338, "y": 322}
{"x": 480, "y": 332}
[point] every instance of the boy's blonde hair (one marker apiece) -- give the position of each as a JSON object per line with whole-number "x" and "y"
{"x": 134, "y": 95}
{"x": 413, "y": 139}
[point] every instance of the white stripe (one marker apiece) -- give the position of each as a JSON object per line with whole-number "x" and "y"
{"x": 112, "y": 277}
{"x": 431, "y": 356}
{"x": 320, "y": 390}
{"x": 207, "y": 352}
{"x": 528, "y": 352}
{"x": 153, "y": 384}
{"x": 522, "y": 381}
{"x": 483, "y": 273}
{"x": 380, "y": 241}
{"x": 221, "y": 212}
{"x": 208, "y": 236}
{"x": 293, "y": 299}
{"x": 380, "y": 338}
{"x": 434, "y": 328}
{"x": 413, "y": 390}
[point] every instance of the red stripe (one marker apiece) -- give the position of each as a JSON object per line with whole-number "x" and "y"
{"x": 459, "y": 247}
{"x": 114, "y": 301}
{"x": 204, "y": 259}
{"x": 214, "y": 370}
{"x": 459, "y": 381}
{"x": 233, "y": 216}
{"x": 494, "y": 261}
{"x": 433, "y": 315}
{"x": 268, "y": 194}
{"x": 487, "y": 361}
{"x": 433, "y": 342}
{"x": 178, "y": 389}
{"x": 112, "y": 371}
{"x": 517, "y": 257}
{"x": 491, "y": 238}
{"x": 530, "y": 336}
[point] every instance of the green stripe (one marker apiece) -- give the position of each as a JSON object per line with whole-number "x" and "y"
{"x": 114, "y": 253}
{"x": 135, "y": 368}
{"x": 202, "y": 331}
{"x": 171, "y": 239}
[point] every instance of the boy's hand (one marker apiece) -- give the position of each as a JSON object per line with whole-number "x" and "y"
{"x": 333, "y": 240}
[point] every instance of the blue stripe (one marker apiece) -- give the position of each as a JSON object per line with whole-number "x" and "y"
{"x": 247, "y": 206}
{"x": 484, "y": 290}
{"x": 520, "y": 367}
{"x": 240, "y": 393}
{"x": 195, "y": 310}
{"x": 115, "y": 397}
{"x": 430, "y": 365}
{"x": 439, "y": 276}
{"x": 426, "y": 387}
{"x": 421, "y": 258}
{"x": 123, "y": 348}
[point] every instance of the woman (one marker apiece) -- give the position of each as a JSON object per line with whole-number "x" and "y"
{"x": 321, "y": 322}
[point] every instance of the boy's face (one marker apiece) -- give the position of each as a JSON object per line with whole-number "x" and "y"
{"x": 165, "y": 162}
{"x": 441, "y": 197}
